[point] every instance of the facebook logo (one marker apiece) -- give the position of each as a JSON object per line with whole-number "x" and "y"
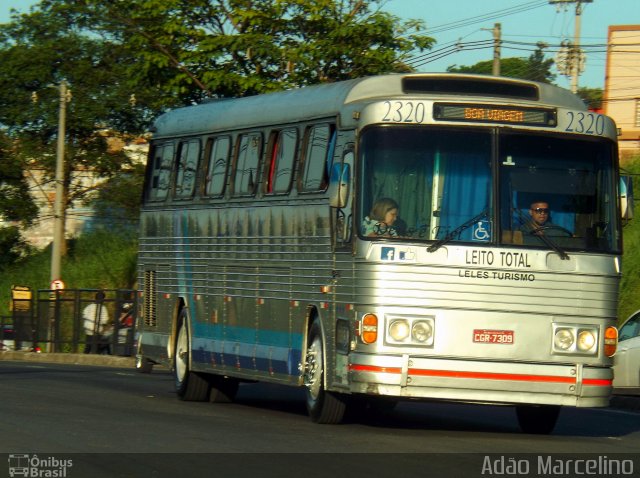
{"x": 387, "y": 253}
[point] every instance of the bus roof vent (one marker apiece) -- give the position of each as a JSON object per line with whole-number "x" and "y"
{"x": 471, "y": 86}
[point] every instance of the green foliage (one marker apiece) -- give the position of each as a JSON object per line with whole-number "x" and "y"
{"x": 591, "y": 96}
{"x": 16, "y": 203}
{"x": 98, "y": 260}
{"x": 116, "y": 205}
{"x": 127, "y": 61}
{"x": 630, "y": 286}
{"x": 13, "y": 247}
{"x": 201, "y": 48}
{"x": 535, "y": 68}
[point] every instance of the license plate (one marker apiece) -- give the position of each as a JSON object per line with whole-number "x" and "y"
{"x": 484, "y": 336}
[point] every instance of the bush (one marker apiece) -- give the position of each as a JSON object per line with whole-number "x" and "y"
{"x": 96, "y": 260}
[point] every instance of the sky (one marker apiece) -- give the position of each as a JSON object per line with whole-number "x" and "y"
{"x": 523, "y": 23}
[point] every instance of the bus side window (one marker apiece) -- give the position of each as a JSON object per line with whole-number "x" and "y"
{"x": 247, "y": 162}
{"x": 319, "y": 149}
{"x": 187, "y": 168}
{"x": 217, "y": 166}
{"x": 161, "y": 174}
{"x": 280, "y": 162}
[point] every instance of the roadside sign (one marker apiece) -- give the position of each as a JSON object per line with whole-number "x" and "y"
{"x": 57, "y": 284}
{"x": 20, "y": 298}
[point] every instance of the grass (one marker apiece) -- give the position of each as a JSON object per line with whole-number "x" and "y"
{"x": 629, "y": 295}
{"x": 96, "y": 260}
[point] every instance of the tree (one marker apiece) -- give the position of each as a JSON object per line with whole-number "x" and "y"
{"x": 127, "y": 61}
{"x": 199, "y": 48}
{"x": 16, "y": 205}
{"x": 117, "y": 204}
{"x": 36, "y": 54}
{"x": 592, "y": 97}
{"x": 535, "y": 68}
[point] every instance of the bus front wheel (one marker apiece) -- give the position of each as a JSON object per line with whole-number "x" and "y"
{"x": 323, "y": 407}
{"x": 190, "y": 386}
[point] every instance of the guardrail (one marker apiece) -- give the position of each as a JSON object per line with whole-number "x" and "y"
{"x": 73, "y": 321}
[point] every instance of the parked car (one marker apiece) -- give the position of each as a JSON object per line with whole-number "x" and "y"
{"x": 7, "y": 337}
{"x": 627, "y": 358}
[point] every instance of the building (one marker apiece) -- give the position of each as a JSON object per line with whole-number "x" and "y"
{"x": 622, "y": 86}
{"x": 41, "y": 233}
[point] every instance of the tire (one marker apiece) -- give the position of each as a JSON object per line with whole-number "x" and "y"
{"x": 323, "y": 407}
{"x": 537, "y": 419}
{"x": 223, "y": 389}
{"x": 190, "y": 386}
{"x": 143, "y": 365}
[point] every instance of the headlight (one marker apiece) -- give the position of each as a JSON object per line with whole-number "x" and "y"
{"x": 399, "y": 330}
{"x": 410, "y": 331}
{"x": 421, "y": 331}
{"x": 586, "y": 340}
{"x": 563, "y": 339}
{"x": 575, "y": 339}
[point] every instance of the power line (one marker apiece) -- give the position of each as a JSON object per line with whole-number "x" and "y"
{"x": 486, "y": 17}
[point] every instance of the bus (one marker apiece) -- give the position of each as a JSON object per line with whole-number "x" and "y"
{"x": 264, "y": 255}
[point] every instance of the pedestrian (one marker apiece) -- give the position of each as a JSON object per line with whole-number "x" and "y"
{"x": 97, "y": 327}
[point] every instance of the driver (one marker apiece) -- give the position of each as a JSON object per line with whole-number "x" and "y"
{"x": 540, "y": 224}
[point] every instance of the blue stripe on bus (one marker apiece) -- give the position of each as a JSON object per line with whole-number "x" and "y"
{"x": 229, "y": 333}
{"x": 237, "y": 347}
{"x": 267, "y": 359}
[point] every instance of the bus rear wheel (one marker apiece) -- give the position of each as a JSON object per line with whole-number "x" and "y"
{"x": 323, "y": 407}
{"x": 537, "y": 419}
{"x": 190, "y": 386}
{"x": 143, "y": 365}
{"x": 223, "y": 389}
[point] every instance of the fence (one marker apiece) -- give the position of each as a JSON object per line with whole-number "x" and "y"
{"x": 62, "y": 321}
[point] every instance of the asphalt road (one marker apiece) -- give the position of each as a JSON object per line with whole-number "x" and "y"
{"x": 117, "y": 422}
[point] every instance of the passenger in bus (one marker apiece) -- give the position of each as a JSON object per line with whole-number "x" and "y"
{"x": 379, "y": 222}
{"x": 540, "y": 223}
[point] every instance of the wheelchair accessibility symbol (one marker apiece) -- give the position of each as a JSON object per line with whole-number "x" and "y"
{"x": 482, "y": 231}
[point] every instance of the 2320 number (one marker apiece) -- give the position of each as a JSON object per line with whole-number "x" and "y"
{"x": 404, "y": 112}
{"x": 587, "y": 123}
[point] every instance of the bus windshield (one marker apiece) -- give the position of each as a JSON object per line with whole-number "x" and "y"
{"x": 436, "y": 184}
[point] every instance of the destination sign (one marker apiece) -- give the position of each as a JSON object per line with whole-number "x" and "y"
{"x": 495, "y": 114}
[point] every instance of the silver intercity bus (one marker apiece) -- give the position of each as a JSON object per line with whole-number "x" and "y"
{"x": 421, "y": 236}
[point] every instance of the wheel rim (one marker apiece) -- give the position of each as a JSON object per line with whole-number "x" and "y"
{"x": 313, "y": 369}
{"x": 182, "y": 354}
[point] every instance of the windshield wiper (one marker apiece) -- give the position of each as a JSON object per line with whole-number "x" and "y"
{"x": 458, "y": 230}
{"x": 563, "y": 255}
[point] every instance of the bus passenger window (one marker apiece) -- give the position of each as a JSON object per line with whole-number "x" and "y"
{"x": 217, "y": 166}
{"x": 161, "y": 174}
{"x": 187, "y": 168}
{"x": 280, "y": 169}
{"x": 246, "y": 173}
{"x": 320, "y": 147}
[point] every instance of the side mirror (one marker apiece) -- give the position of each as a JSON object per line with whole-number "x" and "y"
{"x": 626, "y": 197}
{"x": 339, "y": 182}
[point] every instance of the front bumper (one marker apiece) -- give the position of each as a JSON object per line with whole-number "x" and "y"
{"x": 480, "y": 381}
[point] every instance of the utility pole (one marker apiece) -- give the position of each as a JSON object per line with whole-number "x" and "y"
{"x": 497, "y": 34}
{"x": 58, "y": 208}
{"x": 575, "y": 57}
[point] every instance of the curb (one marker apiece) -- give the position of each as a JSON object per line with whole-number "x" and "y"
{"x": 75, "y": 359}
